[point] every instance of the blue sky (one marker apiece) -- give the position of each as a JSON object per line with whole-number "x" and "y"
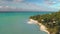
{"x": 29, "y": 5}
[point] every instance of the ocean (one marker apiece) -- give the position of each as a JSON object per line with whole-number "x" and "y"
{"x": 16, "y": 23}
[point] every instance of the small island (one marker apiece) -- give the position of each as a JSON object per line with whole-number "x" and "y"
{"x": 50, "y": 23}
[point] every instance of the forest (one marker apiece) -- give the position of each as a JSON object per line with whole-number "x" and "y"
{"x": 51, "y": 21}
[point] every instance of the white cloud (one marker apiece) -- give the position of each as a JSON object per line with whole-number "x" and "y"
{"x": 17, "y": 1}
{"x": 26, "y": 7}
{"x": 1, "y": 6}
{"x": 50, "y": 2}
{"x": 7, "y": 7}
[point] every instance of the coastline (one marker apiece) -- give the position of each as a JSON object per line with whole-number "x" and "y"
{"x": 42, "y": 27}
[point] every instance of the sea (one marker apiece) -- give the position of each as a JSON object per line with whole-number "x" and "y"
{"x": 16, "y": 22}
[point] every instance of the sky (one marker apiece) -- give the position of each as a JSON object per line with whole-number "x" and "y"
{"x": 29, "y": 5}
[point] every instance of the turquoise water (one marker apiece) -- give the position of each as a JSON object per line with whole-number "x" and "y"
{"x": 16, "y": 23}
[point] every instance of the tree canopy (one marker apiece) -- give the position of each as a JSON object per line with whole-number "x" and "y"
{"x": 51, "y": 21}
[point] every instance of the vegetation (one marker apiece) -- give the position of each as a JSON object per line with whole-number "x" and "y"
{"x": 51, "y": 21}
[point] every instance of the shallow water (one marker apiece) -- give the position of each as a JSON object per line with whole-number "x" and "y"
{"x": 16, "y": 23}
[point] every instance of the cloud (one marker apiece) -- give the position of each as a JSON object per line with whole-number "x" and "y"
{"x": 14, "y": 0}
{"x": 7, "y": 7}
{"x": 26, "y": 7}
{"x": 11, "y": 1}
{"x": 7, "y": 0}
{"x": 50, "y": 2}
{"x": 22, "y": 5}
{"x": 0, "y": 6}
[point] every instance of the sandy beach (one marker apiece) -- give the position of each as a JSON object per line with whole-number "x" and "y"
{"x": 42, "y": 27}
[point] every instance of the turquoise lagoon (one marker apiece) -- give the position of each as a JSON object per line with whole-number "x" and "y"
{"x": 16, "y": 23}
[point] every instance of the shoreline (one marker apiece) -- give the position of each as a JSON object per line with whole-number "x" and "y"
{"x": 42, "y": 27}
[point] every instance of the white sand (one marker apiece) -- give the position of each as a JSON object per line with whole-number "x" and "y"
{"x": 31, "y": 21}
{"x": 42, "y": 27}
